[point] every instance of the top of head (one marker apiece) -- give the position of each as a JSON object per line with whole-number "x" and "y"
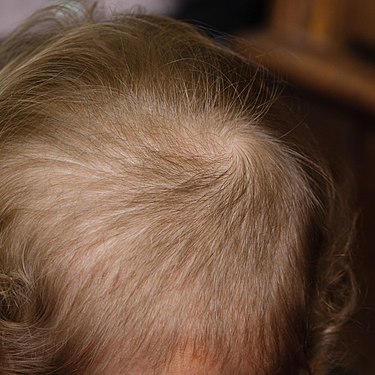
{"x": 153, "y": 202}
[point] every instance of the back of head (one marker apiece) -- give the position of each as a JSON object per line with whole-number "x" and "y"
{"x": 157, "y": 209}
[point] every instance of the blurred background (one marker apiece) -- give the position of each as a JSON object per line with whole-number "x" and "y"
{"x": 326, "y": 50}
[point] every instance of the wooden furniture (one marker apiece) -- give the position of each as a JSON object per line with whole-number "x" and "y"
{"x": 314, "y": 42}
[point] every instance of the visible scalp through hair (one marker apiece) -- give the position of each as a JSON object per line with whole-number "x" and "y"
{"x": 154, "y": 200}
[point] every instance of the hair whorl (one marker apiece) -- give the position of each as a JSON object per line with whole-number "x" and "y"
{"x": 155, "y": 201}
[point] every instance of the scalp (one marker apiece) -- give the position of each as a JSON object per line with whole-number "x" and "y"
{"x": 152, "y": 201}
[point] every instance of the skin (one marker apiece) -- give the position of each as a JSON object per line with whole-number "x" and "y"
{"x": 185, "y": 362}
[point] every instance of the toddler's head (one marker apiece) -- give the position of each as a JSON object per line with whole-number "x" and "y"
{"x": 160, "y": 210}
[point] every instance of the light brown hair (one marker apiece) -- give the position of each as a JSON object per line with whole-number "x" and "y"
{"x": 158, "y": 197}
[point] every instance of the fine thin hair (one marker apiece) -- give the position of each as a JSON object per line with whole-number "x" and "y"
{"x": 161, "y": 207}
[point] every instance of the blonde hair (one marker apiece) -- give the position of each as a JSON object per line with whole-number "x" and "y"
{"x": 156, "y": 197}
